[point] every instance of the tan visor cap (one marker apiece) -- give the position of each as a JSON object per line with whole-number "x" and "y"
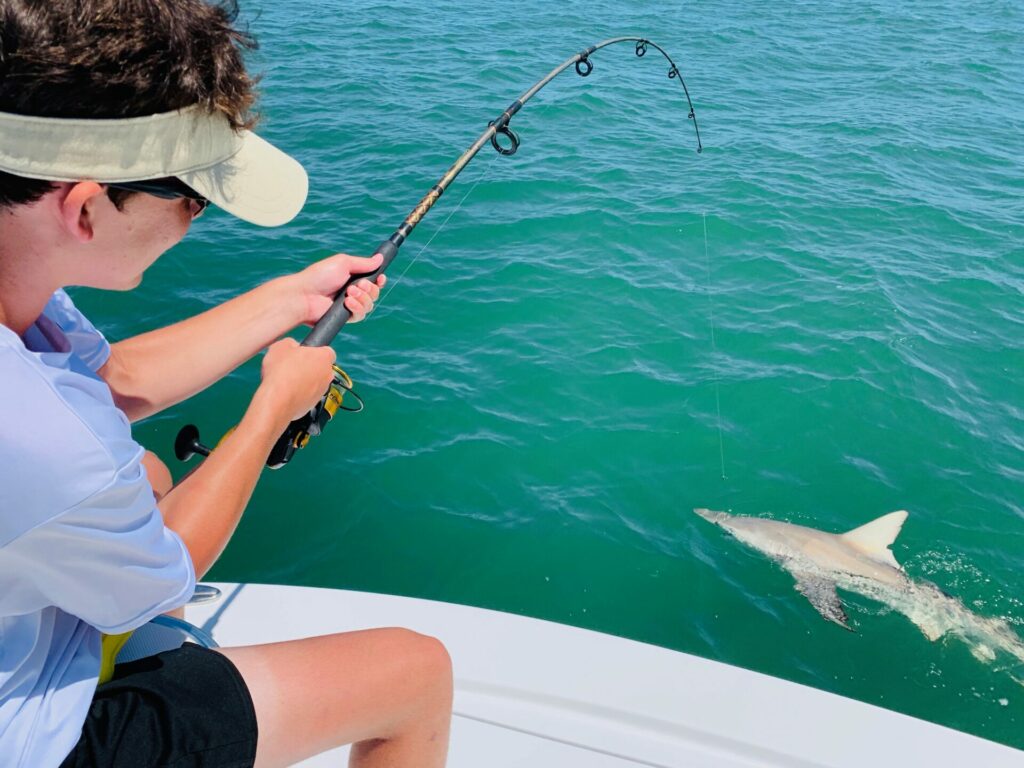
{"x": 237, "y": 171}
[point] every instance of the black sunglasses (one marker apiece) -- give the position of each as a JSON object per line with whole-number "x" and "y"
{"x": 167, "y": 188}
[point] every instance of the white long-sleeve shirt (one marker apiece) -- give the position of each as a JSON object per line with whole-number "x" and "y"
{"x": 83, "y": 547}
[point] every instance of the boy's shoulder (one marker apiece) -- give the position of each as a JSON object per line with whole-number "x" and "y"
{"x": 63, "y": 439}
{"x": 83, "y": 338}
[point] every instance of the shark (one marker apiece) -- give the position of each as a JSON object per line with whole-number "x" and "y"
{"x": 862, "y": 561}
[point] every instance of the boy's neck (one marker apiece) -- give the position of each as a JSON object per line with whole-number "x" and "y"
{"x": 26, "y": 282}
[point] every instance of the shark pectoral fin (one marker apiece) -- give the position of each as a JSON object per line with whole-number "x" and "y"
{"x": 982, "y": 652}
{"x": 875, "y": 538}
{"x": 822, "y": 594}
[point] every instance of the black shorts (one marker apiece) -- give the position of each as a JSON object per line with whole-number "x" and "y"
{"x": 187, "y": 708}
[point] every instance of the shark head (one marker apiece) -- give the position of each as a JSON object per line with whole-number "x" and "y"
{"x": 734, "y": 524}
{"x": 713, "y": 517}
{"x": 722, "y": 519}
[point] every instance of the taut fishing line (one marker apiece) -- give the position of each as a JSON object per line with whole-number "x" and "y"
{"x": 299, "y": 432}
{"x": 484, "y": 175}
{"x": 714, "y": 348}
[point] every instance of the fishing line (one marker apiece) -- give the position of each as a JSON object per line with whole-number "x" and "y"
{"x": 714, "y": 348}
{"x": 484, "y": 175}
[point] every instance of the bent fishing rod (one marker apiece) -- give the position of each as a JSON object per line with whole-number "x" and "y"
{"x": 299, "y": 432}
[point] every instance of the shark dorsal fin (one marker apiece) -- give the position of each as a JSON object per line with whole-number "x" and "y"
{"x": 875, "y": 538}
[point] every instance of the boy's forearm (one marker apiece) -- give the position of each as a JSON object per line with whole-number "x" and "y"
{"x": 204, "y": 509}
{"x": 155, "y": 370}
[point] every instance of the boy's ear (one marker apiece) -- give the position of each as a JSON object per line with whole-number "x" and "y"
{"x": 74, "y": 209}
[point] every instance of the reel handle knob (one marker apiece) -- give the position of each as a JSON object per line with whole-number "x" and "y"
{"x": 187, "y": 445}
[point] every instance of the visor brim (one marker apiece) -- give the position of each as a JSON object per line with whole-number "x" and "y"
{"x": 259, "y": 183}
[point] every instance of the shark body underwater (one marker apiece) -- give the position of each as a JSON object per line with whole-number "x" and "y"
{"x": 861, "y": 561}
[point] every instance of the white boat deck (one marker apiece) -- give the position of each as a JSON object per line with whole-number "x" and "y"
{"x": 534, "y": 694}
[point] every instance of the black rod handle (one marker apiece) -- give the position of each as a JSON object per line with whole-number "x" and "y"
{"x": 331, "y": 323}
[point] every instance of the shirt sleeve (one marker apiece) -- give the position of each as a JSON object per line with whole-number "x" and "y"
{"x": 110, "y": 560}
{"x": 79, "y": 527}
{"x": 87, "y": 342}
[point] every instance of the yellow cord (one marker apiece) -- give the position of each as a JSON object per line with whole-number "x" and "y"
{"x": 110, "y": 646}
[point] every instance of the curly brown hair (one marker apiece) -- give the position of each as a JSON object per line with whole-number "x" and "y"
{"x": 119, "y": 58}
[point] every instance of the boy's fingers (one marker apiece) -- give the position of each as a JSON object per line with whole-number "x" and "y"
{"x": 364, "y": 290}
{"x": 357, "y": 309}
{"x": 328, "y": 353}
{"x": 365, "y": 264}
{"x": 370, "y": 289}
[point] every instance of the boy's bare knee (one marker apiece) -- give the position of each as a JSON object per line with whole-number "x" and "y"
{"x": 158, "y": 474}
{"x": 427, "y": 649}
{"x": 434, "y": 656}
{"x": 420, "y": 657}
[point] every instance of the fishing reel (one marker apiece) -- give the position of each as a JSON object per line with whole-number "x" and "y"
{"x": 312, "y": 424}
{"x": 298, "y": 433}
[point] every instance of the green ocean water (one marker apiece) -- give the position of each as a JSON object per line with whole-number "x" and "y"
{"x": 819, "y": 319}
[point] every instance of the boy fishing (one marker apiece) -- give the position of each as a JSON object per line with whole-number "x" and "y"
{"x": 120, "y": 121}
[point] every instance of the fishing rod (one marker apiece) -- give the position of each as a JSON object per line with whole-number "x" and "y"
{"x": 299, "y": 432}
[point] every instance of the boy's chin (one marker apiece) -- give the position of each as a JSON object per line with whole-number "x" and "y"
{"x": 113, "y": 283}
{"x": 127, "y": 284}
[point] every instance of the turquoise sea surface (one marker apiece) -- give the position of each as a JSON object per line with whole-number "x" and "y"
{"x": 819, "y": 319}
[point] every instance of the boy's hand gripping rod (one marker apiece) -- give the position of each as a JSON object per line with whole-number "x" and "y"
{"x": 301, "y": 430}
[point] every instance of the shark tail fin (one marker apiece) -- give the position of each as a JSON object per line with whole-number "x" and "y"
{"x": 875, "y": 538}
